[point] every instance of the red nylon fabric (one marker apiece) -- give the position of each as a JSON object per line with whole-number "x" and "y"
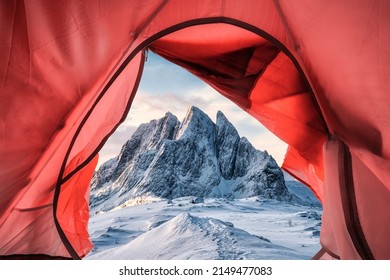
{"x": 73, "y": 209}
{"x": 281, "y": 101}
{"x": 303, "y": 68}
{"x": 334, "y": 233}
{"x": 230, "y": 65}
{"x": 55, "y": 60}
{"x": 346, "y": 52}
{"x": 371, "y": 201}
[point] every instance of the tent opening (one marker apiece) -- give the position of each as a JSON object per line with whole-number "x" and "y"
{"x": 239, "y": 64}
{"x": 174, "y": 90}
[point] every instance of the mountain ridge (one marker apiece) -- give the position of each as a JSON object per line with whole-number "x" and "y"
{"x": 196, "y": 157}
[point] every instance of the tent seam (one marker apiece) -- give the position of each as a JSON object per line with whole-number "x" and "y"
{"x": 298, "y": 50}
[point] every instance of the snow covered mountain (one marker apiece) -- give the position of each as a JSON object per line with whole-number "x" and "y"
{"x": 199, "y": 191}
{"x": 169, "y": 159}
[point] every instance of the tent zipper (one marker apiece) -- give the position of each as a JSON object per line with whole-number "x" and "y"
{"x": 351, "y": 214}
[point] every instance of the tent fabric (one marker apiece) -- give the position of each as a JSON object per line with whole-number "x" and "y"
{"x": 73, "y": 209}
{"x": 313, "y": 72}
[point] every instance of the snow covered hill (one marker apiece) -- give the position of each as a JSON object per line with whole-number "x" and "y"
{"x": 187, "y": 237}
{"x": 195, "y": 157}
{"x": 214, "y": 229}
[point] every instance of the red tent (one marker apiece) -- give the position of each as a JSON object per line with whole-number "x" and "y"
{"x": 314, "y": 72}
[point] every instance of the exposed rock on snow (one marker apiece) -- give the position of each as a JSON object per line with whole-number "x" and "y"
{"x": 169, "y": 159}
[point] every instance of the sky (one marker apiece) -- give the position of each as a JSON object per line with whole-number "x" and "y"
{"x": 167, "y": 87}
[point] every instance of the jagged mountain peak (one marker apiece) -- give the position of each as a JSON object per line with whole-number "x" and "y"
{"x": 195, "y": 157}
{"x": 148, "y": 136}
{"x": 221, "y": 118}
{"x": 169, "y": 114}
{"x": 226, "y": 145}
{"x": 225, "y": 126}
{"x": 196, "y": 122}
{"x": 195, "y": 114}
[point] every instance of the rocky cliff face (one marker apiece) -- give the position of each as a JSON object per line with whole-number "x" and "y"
{"x": 195, "y": 157}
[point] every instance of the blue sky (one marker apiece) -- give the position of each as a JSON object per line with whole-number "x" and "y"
{"x": 167, "y": 87}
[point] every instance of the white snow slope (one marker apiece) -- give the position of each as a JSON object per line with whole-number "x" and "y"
{"x": 214, "y": 229}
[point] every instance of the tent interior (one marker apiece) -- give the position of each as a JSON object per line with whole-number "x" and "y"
{"x": 70, "y": 75}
